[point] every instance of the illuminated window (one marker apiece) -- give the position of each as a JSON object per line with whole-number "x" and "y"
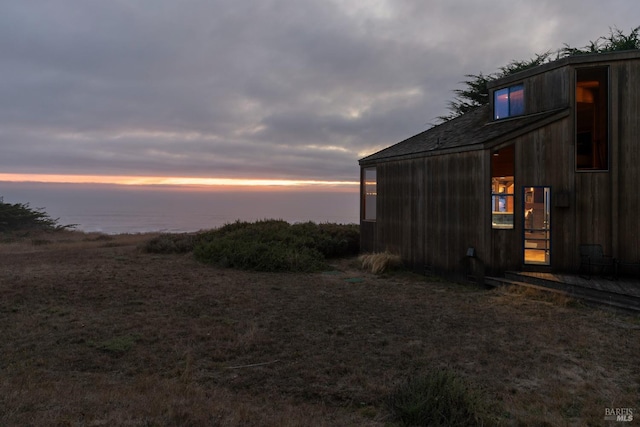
{"x": 508, "y": 102}
{"x": 592, "y": 119}
{"x": 502, "y": 188}
{"x": 370, "y": 194}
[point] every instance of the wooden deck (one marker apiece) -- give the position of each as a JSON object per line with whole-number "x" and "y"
{"x": 622, "y": 293}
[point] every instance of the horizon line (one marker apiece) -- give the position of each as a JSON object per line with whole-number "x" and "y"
{"x": 186, "y": 182}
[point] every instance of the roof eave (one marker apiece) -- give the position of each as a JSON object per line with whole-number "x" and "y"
{"x": 551, "y": 116}
{"x": 573, "y": 60}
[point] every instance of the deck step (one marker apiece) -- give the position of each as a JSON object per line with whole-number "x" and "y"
{"x": 502, "y": 281}
{"x": 589, "y": 295}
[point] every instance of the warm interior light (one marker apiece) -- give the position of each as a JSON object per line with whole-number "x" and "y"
{"x": 583, "y": 94}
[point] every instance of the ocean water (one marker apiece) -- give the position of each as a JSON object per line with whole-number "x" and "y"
{"x": 128, "y": 209}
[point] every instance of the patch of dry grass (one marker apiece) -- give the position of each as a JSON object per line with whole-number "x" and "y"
{"x": 379, "y": 262}
{"x": 551, "y": 296}
{"x": 69, "y": 240}
{"x": 97, "y": 332}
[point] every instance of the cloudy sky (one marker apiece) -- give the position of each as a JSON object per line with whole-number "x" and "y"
{"x": 292, "y": 90}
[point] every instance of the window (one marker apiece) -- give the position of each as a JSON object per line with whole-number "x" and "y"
{"x": 502, "y": 188}
{"x": 370, "y": 193}
{"x": 508, "y": 102}
{"x": 592, "y": 119}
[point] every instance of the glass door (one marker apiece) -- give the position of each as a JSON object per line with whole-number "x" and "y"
{"x": 537, "y": 225}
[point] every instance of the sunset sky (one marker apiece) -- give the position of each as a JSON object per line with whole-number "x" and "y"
{"x": 251, "y": 92}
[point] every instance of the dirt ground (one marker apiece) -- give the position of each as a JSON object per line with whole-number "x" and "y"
{"x": 96, "y": 332}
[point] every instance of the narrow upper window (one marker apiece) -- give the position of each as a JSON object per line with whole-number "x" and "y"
{"x": 592, "y": 119}
{"x": 508, "y": 102}
{"x": 370, "y": 193}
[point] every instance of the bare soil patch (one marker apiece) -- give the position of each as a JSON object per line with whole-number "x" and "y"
{"x": 97, "y": 332}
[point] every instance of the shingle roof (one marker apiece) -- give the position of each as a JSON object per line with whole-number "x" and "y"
{"x": 467, "y": 132}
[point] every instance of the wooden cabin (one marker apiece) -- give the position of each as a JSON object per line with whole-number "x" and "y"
{"x": 551, "y": 163}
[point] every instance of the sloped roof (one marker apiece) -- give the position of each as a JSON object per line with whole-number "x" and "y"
{"x": 471, "y": 131}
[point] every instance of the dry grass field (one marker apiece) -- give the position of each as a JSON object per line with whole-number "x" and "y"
{"x": 96, "y": 332}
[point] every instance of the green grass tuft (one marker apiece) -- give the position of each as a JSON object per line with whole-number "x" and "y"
{"x": 118, "y": 345}
{"x": 438, "y": 398}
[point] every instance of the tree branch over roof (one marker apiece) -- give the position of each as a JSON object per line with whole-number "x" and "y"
{"x": 476, "y": 93}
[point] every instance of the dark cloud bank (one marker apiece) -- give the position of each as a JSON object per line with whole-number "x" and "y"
{"x": 268, "y": 89}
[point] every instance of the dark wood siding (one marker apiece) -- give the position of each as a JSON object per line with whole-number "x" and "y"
{"x": 545, "y": 158}
{"x": 593, "y": 208}
{"x": 607, "y": 202}
{"x": 548, "y": 91}
{"x": 431, "y": 209}
{"x": 625, "y": 132}
{"x": 367, "y": 236}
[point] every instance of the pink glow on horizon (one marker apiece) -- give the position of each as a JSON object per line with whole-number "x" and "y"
{"x": 246, "y": 184}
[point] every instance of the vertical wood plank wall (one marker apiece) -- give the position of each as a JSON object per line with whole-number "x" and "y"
{"x": 625, "y": 129}
{"x": 548, "y": 91}
{"x": 545, "y": 157}
{"x": 431, "y": 209}
{"x": 607, "y": 205}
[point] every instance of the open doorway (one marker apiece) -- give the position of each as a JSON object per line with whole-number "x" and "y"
{"x": 537, "y": 225}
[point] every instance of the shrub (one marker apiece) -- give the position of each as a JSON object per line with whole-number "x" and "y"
{"x": 438, "y": 398}
{"x": 170, "y": 244}
{"x": 341, "y": 240}
{"x": 259, "y": 256}
{"x": 275, "y": 245}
